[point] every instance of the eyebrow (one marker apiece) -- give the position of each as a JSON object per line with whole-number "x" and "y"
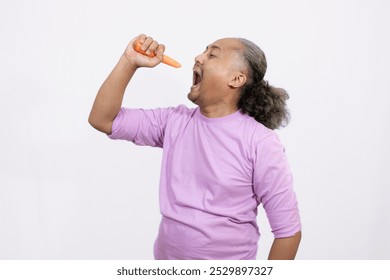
{"x": 213, "y": 47}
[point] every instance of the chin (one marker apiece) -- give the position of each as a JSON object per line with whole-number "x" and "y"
{"x": 193, "y": 96}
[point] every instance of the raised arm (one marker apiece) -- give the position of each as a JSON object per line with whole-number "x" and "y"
{"x": 109, "y": 99}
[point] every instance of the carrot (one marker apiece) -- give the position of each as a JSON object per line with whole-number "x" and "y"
{"x": 166, "y": 59}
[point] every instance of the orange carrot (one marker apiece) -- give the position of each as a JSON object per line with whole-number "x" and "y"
{"x": 166, "y": 59}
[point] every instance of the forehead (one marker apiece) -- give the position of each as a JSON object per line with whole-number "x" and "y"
{"x": 227, "y": 44}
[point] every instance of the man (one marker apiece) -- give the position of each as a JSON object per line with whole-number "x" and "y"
{"x": 220, "y": 160}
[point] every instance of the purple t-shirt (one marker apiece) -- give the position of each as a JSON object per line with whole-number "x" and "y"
{"x": 215, "y": 172}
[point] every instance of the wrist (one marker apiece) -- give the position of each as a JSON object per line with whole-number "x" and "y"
{"x": 128, "y": 63}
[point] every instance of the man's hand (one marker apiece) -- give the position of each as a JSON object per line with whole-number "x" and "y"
{"x": 149, "y": 46}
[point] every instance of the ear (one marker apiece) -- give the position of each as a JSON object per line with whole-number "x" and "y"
{"x": 238, "y": 80}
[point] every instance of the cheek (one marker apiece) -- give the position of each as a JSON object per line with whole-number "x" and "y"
{"x": 216, "y": 77}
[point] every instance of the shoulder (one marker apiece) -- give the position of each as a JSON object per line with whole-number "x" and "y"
{"x": 260, "y": 138}
{"x": 256, "y": 131}
{"x": 183, "y": 110}
{"x": 164, "y": 113}
{"x": 180, "y": 112}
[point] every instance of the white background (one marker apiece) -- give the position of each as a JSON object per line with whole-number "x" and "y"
{"x": 68, "y": 192}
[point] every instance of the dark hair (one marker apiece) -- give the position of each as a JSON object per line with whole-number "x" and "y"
{"x": 265, "y": 103}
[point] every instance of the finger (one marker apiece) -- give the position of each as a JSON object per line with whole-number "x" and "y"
{"x": 141, "y": 38}
{"x": 159, "y": 51}
{"x": 146, "y": 43}
{"x": 152, "y": 48}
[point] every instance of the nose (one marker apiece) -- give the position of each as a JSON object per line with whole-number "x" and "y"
{"x": 199, "y": 58}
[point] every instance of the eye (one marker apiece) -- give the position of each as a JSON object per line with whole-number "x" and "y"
{"x": 211, "y": 55}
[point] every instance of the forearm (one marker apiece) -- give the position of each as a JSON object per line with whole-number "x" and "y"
{"x": 110, "y": 95}
{"x": 285, "y": 248}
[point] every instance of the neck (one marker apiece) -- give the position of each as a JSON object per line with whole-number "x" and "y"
{"x": 213, "y": 111}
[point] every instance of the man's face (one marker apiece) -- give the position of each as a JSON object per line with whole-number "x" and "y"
{"x": 213, "y": 71}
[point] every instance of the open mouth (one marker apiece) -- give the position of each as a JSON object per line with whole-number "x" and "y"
{"x": 197, "y": 78}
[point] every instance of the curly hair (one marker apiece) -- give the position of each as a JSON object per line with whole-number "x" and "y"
{"x": 265, "y": 103}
